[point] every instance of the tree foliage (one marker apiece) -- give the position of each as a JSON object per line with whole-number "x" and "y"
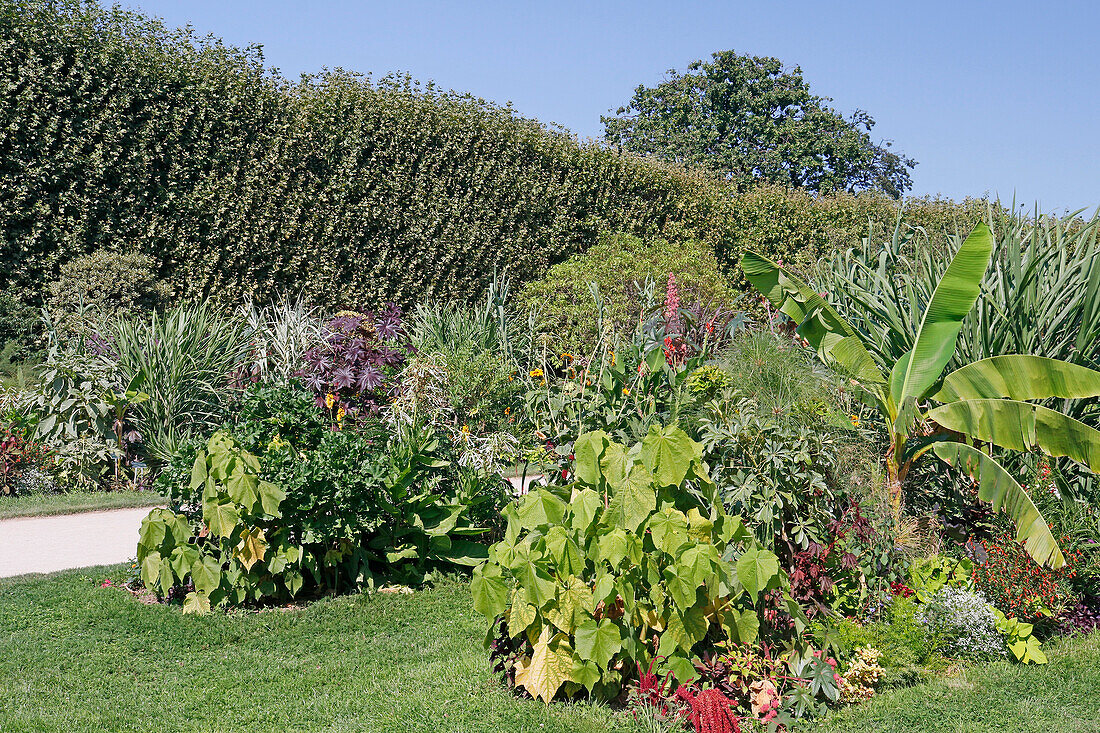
{"x": 751, "y": 119}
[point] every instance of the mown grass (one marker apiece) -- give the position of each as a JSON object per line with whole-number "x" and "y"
{"x": 73, "y": 502}
{"x": 78, "y": 657}
{"x": 1060, "y": 697}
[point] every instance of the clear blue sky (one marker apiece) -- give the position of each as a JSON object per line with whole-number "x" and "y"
{"x": 997, "y": 97}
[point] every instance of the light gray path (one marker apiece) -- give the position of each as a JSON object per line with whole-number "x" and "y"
{"x": 49, "y": 544}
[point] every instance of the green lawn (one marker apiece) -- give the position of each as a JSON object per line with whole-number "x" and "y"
{"x": 76, "y": 657}
{"x": 1059, "y": 697}
{"x": 72, "y": 502}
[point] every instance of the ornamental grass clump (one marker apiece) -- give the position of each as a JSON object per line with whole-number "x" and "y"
{"x": 964, "y": 623}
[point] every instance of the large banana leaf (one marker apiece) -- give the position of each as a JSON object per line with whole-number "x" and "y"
{"x": 1022, "y": 426}
{"x": 953, "y": 298}
{"x": 996, "y": 486}
{"x": 834, "y": 339}
{"x": 1020, "y": 377}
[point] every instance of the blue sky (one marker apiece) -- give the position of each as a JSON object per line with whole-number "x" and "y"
{"x": 997, "y": 97}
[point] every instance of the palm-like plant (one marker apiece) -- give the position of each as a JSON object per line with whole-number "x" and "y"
{"x": 984, "y": 403}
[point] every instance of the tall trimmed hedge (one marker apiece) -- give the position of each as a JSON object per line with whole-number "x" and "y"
{"x": 118, "y": 133}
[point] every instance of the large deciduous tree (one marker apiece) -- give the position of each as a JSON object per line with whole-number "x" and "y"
{"x": 750, "y": 119}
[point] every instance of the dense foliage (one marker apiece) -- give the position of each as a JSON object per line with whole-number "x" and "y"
{"x": 750, "y": 119}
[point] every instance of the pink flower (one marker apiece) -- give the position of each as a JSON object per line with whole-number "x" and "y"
{"x": 106, "y": 583}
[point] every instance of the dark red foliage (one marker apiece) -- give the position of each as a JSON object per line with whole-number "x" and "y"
{"x": 709, "y": 711}
{"x": 901, "y": 589}
{"x": 1083, "y": 618}
{"x": 361, "y": 353}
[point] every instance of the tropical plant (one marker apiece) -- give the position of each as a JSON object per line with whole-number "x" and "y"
{"x": 633, "y": 560}
{"x": 984, "y": 403}
{"x": 184, "y": 360}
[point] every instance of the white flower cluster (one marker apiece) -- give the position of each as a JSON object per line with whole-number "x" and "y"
{"x": 964, "y": 623}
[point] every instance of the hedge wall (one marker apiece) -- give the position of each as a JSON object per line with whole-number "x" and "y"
{"x": 117, "y": 133}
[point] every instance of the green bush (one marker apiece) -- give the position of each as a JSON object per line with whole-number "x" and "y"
{"x": 907, "y": 646}
{"x": 103, "y": 286}
{"x": 20, "y": 332}
{"x": 619, "y": 266}
{"x": 237, "y": 181}
{"x": 636, "y": 549}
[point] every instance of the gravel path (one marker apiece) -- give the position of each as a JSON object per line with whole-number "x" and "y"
{"x": 49, "y": 544}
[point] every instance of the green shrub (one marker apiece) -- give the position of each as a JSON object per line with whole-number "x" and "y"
{"x": 482, "y": 392}
{"x": 908, "y": 648}
{"x": 636, "y": 548}
{"x": 103, "y": 286}
{"x": 20, "y": 333}
{"x": 619, "y": 266}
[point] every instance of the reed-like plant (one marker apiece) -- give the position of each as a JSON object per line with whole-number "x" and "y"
{"x": 279, "y": 335}
{"x": 185, "y": 359}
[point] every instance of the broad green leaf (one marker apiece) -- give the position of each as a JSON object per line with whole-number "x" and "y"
{"x": 490, "y": 591}
{"x": 1019, "y": 377}
{"x": 535, "y": 581}
{"x": 685, "y": 630}
{"x": 833, "y": 338}
{"x": 742, "y": 627}
{"x": 669, "y": 530}
{"x": 244, "y": 489}
{"x": 1022, "y": 426}
{"x": 540, "y": 507}
{"x": 182, "y": 558}
{"x": 206, "y": 573}
{"x": 598, "y": 641}
{"x": 668, "y": 453}
{"x": 615, "y": 463}
{"x": 150, "y": 570}
{"x": 634, "y": 500}
{"x": 755, "y": 569}
{"x": 999, "y": 488}
{"x": 152, "y": 531}
{"x": 587, "y": 452}
{"x": 196, "y": 602}
{"x": 584, "y": 507}
{"x": 564, "y": 552}
{"x": 198, "y": 471}
{"x": 613, "y": 547}
{"x": 953, "y": 298}
{"x": 271, "y": 496}
{"x": 574, "y": 605}
{"x": 221, "y": 518}
{"x": 698, "y": 562}
{"x": 550, "y": 664}
{"x": 466, "y": 553}
{"x": 681, "y": 585}
{"x": 585, "y": 673}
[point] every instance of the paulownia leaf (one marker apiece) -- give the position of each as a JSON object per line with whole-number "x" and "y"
{"x": 490, "y": 591}
{"x": 574, "y": 605}
{"x": 598, "y": 641}
{"x": 196, "y": 602}
{"x": 221, "y": 518}
{"x": 668, "y": 453}
{"x": 540, "y": 507}
{"x": 251, "y": 548}
{"x": 755, "y": 569}
{"x": 634, "y": 500}
{"x": 587, "y": 452}
{"x": 669, "y": 530}
{"x": 953, "y": 298}
{"x": 521, "y": 614}
{"x": 999, "y": 488}
{"x": 685, "y": 630}
{"x": 550, "y": 664}
{"x": 1019, "y": 377}
{"x": 584, "y": 507}
{"x": 206, "y": 572}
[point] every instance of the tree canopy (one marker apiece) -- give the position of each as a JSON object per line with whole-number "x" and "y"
{"x": 751, "y": 120}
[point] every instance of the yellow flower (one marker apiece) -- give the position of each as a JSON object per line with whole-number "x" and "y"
{"x": 854, "y": 419}
{"x": 612, "y": 358}
{"x": 465, "y": 430}
{"x": 536, "y": 373}
{"x": 330, "y": 400}
{"x": 340, "y": 414}
{"x": 626, "y": 391}
{"x": 507, "y": 410}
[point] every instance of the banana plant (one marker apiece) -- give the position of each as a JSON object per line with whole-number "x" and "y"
{"x": 959, "y": 417}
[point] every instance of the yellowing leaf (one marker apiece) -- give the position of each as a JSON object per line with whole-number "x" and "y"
{"x": 251, "y": 548}
{"x": 550, "y": 664}
{"x": 196, "y": 602}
